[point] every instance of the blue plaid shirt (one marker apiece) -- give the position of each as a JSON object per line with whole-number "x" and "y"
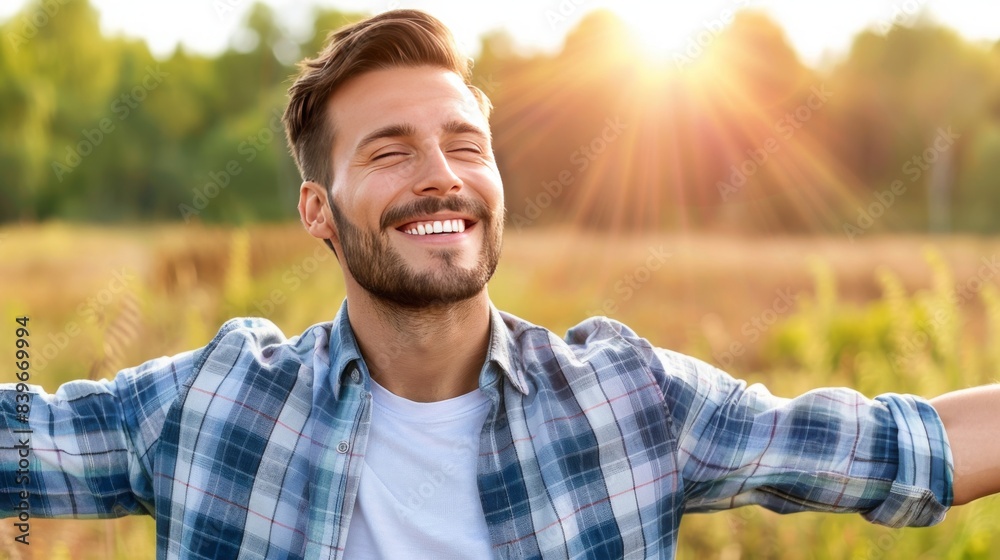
{"x": 594, "y": 447}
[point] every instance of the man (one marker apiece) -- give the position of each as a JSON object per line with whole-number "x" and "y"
{"x": 422, "y": 422}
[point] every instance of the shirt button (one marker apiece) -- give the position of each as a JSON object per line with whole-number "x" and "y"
{"x": 355, "y": 376}
{"x": 342, "y": 447}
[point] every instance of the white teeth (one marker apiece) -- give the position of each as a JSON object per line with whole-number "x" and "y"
{"x": 438, "y": 226}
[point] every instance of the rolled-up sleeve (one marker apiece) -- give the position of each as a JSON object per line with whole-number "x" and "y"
{"x": 830, "y": 450}
{"x": 921, "y": 493}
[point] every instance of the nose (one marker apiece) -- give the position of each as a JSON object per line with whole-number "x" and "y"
{"x": 436, "y": 177}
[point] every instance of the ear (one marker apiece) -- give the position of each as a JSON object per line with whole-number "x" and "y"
{"x": 314, "y": 211}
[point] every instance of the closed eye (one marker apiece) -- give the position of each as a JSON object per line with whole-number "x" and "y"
{"x": 388, "y": 154}
{"x": 472, "y": 148}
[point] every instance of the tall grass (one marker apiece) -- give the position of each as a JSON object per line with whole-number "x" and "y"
{"x": 887, "y": 314}
{"x": 917, "y": 343}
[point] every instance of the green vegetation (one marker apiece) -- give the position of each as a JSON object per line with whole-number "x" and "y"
{"x": 902, "y": 133}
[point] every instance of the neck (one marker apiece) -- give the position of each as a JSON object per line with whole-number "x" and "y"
{"x": 427, "y": 354}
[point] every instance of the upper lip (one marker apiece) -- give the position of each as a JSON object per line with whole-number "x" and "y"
{"x": 469, "y": 220}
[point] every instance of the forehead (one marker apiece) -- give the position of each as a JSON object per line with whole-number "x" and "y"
{"x": 425, "y": 97}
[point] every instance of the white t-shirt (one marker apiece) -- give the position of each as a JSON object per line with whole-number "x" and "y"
{"x": 418, "y": 496}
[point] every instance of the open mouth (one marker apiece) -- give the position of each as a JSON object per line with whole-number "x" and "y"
{"x": 436, "y": 227}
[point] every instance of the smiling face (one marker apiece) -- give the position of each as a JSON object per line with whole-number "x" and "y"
{"x": 418, "y": 201}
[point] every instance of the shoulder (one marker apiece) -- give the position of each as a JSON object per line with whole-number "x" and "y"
{"x": 253, "y": 343}
{"x": 602, "y": 343}
{"x": 597, "y": 344}
{"x": 245, "y": 333}
{"x": 594, "y": 335}
{"x": 251, "y": 367}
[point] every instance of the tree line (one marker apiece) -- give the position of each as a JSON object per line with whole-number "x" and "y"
{"x": 731, "y": 132}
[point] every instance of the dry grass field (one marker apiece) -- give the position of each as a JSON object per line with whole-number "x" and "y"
{"x": 905, "y": 314}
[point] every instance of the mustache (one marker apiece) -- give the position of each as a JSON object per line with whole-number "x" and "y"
{"x": 431, "y": 205}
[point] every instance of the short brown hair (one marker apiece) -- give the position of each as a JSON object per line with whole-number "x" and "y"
{"x": 397, "y": 38}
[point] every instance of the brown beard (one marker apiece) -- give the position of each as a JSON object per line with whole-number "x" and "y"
{"x": 382, "y": 272}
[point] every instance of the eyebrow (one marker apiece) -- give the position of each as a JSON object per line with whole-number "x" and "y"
{"x": 399, "y": 130}
{"x": 462, "y": 127}
{"x": 391, "y": 131}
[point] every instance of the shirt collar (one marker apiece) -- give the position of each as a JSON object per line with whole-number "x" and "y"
{"x": 344, "y": 353}
{"x": 344, "y": 349}
{"x": 500, "y": 352}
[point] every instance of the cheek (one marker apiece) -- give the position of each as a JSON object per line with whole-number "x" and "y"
{"x": 498, "y": 198}
{"x": 364, "y": 205}
{"x": 499, "y": 189}
{"x": 489, "y": 186}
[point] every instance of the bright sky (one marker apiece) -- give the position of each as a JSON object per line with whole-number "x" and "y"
{"x": 816, "y": 29}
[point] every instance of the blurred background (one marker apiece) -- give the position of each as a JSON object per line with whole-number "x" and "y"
{"x": 724, "y": 125}
{"x": 801, "y": 194}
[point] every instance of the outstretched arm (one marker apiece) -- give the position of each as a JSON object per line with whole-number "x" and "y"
{"x": 829, "y": 449}
{"x": 83, "y": 450}
{"x": 972, "y": 420}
